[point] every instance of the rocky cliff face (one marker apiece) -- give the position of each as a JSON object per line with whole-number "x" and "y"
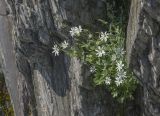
{"x": 41, "y": 84}
{"x": 143, "y": 45}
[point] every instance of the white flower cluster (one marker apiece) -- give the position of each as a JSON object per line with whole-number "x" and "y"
{"x": 119, "y": 52}
{"x": 114, "y": 57}
{"x": 104, "y": 36}
{"x": 92, "y": 69}
{"x": 121, "y": 74}
{"x": 56, "y": 49}
{"x": 90, "y": 36}
{"x": 120, "y": 66}
{"x": 75, "y": 31}
{"x": 108, "y": 81}
{"x": 100, "y": 51}
{"x": 64, "y": 44}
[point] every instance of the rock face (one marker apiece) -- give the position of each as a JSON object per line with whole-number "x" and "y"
{"x": 143, "y": 47}
{"x": 41, "y": 84}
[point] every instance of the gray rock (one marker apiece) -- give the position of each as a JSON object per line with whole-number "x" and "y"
{"x": 143, "y": 51}
{"x": 39, "y": 83}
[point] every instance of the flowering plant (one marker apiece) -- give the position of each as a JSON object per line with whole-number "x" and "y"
{"x": 105, "y": 55}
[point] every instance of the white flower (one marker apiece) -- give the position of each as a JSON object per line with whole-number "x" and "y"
{"x": 120, "y": 52}
{"x": 55, "y": 50}
{"x": 115, "y": 94}
{"x": 75, "y": 31}
{"x": 64, "y": 44}
{"x": 108, "y": 81}
{"x": 104, "y": 36}
{"x": 114, "y": 57}
{"x": 92, "y": 69}
{"x": 121, "y": 74}
{"x": 90, "y": 36}
{"x": 100, "y": 51}
{"x": 120, "y": 66}
{"x": 119, "y": 80}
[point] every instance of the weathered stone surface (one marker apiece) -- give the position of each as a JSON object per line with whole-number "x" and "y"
{"x": 143, "y": 51}
{"x": 41, "y": 84}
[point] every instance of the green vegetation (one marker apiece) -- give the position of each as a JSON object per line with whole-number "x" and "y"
{"x": 104, "y": 52}
{"x": 5, "y": 103}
